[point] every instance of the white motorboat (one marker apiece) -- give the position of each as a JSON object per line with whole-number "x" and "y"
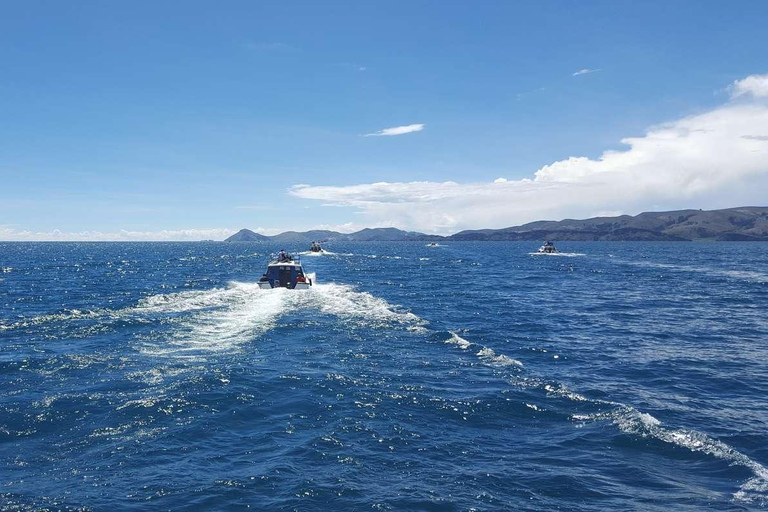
{"x": 285, "y": 271}
{"x": 548, "y": 248}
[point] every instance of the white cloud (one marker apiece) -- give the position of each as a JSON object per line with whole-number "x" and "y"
{"x": 347, "y": 227}
{"x": 754, "y": 85}
{"x": 397, "y": 130}
{"x": 585, "y": 71}
{"x": 711, "y": 160}
{"x": 8, "y": 233}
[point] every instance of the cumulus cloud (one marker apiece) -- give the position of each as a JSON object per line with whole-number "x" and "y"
{"x": 710, "y": 160}
{"x": 754, "y": 85}
{"x": 397, "y": 130}
{"x": 585, "y": 71}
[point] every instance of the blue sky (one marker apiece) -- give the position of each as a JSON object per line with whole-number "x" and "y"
{"x": 158, "y": 117}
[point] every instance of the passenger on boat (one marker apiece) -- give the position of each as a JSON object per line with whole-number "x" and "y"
{"x": 282, "y": 255}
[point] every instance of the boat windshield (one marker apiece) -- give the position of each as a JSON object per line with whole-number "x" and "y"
{"x": 284, "y": 257}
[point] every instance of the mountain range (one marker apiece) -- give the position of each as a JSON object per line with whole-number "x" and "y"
{"x": 747, "y": 223}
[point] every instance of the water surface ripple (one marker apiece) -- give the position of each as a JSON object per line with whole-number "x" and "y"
{"x": 469, "y": 376}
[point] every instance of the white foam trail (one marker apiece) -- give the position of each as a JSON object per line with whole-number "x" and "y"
{"x": 491, "y": 358}
{"x": 744, "y": 275}
{"x": 563, "y": 254}
{"x": 223, "y": 319}
{"x": 188, "y": 300}
{"x": 563, "y": 391}
{"x": 635, "y": 422}
{"x": 457, "y": 340}
{"x": 632, "y": 421}
{"x": 325, "y": 252}
{"x": 70, "y": 314}
{"x": 486, "y": 355}
{"x": 344, "y": 302}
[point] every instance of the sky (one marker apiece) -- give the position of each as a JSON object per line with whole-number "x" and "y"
{"x": 190, "y": 120}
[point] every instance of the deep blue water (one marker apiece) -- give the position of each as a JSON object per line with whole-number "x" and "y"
{"x": 139, "y": 376}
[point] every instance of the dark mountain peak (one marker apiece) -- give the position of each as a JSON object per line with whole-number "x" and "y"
{"x": 742, "y": 223}
{"x": 246, "y": 235}
{"x": 388, "y": 235}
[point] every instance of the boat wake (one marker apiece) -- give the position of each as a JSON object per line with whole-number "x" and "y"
{"x": 324, "y": 252}
{"x": 742, "y": 275}
{"x": 562, "y": 254}
{"x": 224, "y": 319}
{"x": 205, "y": 322}
{"x": 628, "y": 420}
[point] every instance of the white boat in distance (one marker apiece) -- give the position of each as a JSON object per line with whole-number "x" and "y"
{"x": 548, "y": 248}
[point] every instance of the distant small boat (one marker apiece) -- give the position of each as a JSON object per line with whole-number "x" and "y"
{"x": 315, "y": 247}
{"x": 432, "y": 244}
{"x": 285, "y": 271}
{"x": 548, "y": 248}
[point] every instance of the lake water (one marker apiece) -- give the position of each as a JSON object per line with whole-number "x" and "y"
{"x": 469, "y": 376}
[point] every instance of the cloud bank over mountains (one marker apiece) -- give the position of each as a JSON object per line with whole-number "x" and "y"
{"x": 166, "y": 235}
{"x": 714, "y": 159}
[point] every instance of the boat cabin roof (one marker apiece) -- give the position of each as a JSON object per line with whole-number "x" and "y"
{"x": 276, "y": 263}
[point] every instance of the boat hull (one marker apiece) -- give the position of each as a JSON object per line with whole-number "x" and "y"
{"x": 285, "y": 272}
{"x": 266, "y": 285}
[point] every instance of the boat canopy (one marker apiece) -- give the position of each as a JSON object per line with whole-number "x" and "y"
{"x": 283, "y": 272}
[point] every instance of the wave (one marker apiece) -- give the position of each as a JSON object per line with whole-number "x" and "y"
{"x": 61, "y": 316}
{"x": 486, "y": 355}
{"x": 634, "y": 422}
{"x": 743, "y": 275}
{"x": 490, "y": 357}
{"x": 561, "y": 254}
